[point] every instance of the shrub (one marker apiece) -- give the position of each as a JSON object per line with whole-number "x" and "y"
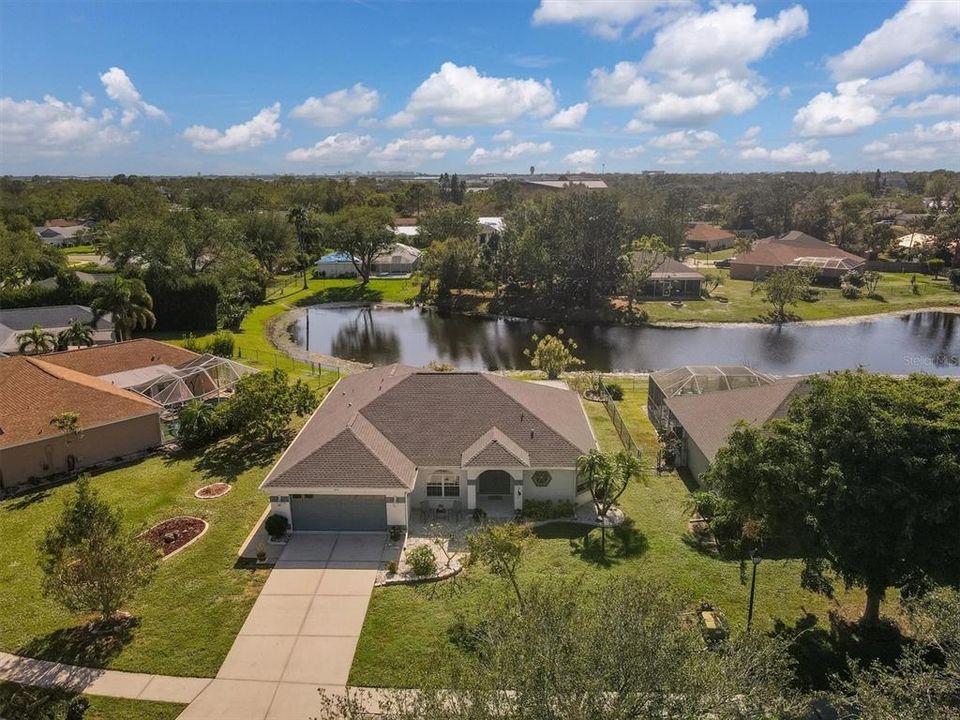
{"x": 193, "y": 344}
{"x": 392, "y": 567}
{"x": 396, "y": 533}
{"x": 548, "y": 509}
{"x": 936, "y": 266}
{"x": 854, "y": 278}
{"x": 422, "y": 561}
{"x": 221, "y": 344}
{"x": 810, "y": 294}
{"x": 614, "y": 390}
{"x": 851, "y": 292}
{"x": 955, "y": 279}
{"x": 277, "y": 525}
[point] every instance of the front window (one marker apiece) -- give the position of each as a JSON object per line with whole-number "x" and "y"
{"x": 443, "y": 483}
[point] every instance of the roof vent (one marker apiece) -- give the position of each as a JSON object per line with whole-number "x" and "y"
{"x": 521, "y": 417}
{"x": 531, "y": 433}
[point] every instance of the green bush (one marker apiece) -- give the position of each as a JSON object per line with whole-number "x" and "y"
{"x": 955, "y": 279}
{"x": 192, "y": 343}
{"x": 614, "y": 390}
{"x": 548, "y": 509}
{"x": 851, "y": 292}
{"x": 422, "y": 561}
{"x": 276, "y": 525}
{"x": 221, "y": 344}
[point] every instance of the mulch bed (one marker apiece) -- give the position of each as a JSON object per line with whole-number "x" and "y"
{"x": 208, "y": 492}
{"x": 171, "y": 535}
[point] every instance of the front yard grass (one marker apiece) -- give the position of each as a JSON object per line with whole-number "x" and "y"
{"x": 406, "y": 626}
{"x": 193, "y": 608}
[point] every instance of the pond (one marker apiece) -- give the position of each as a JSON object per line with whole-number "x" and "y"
{"x": 922, "y": 341}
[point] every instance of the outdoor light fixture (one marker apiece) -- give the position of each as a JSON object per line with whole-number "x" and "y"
{"x": 755, "y": 557}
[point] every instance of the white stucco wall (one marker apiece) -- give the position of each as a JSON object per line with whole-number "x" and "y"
{"x": 563, "y": 486}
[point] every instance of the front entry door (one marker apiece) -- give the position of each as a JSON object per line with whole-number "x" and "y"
{"x": 494, "y": 482}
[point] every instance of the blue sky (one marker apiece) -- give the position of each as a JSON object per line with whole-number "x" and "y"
{"x": 564, "y": 85}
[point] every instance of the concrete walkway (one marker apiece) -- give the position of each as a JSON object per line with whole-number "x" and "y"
{"x": 301, "y": 633}
{"x": 93, "y": 681}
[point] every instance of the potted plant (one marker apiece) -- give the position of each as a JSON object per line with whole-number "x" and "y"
{"x": 277, "y": 526}
{"x": 478, "y": 515}
{"x": 261, "y": 554}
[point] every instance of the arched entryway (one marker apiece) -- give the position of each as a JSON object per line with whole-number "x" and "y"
{"x": 494, "y": 482}
{"x": 495, "y": 493}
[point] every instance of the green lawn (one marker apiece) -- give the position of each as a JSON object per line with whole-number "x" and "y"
{"x": 31, "y": 703}
{"x": 744, "y": 307}
{"x": 715, "y": 255}
{"x": 405, "y": 626}
{"x": 192, "y": 610}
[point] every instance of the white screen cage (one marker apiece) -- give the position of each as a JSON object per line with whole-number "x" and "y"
{"x": 204, "y": 378}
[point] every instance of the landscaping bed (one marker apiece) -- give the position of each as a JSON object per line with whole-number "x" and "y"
{"x": 175, "y": 534}
{"x": 208, "y": 492}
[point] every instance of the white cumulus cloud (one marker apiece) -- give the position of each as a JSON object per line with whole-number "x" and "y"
{"x": 337, "y": 149}
{"x": 930, "y": 143}
{"x": 797, "y": 153}
{"x": 338, "y": 107}
{"x": 607, "y": 18}
{"x": 261, "y": 128}
{"x": 54, "y": 128}
{"x": 627, "y": 153}
{"x": 930, "y": 105}
{"x": 505, "y": 136}
{"x": 922, "y": 29}
{"x": 418, "y": 147}
{"x": 750, "y": 136}
{"x": 844, "y": 112}
{"x": 120, "y": 88}
{"x": 685, "y": 81}
{"x": 482, "y": 156}
{"x": 637, "y": 126}
{"x": 460, "y": 95}
{"x": 582, "y": 160}
{"x": 570, "y": 118}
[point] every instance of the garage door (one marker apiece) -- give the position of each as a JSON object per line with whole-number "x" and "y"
{"x": 339, "y": 512}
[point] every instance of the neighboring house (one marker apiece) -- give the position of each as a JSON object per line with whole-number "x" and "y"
{"x": 390, "y": 443}
{"x": 401, "y": 259}
{"x": 85, "y": 277}
{"x": 167, "y": 374}
{"x": 53, "y": 319}
{"x": 915, "y": 242}
{"x": 774, "y": 253}
{"x": 708, "y": 238}
{"x": 488, "y": 227}
{"x": 561, "y": 184}
{"x": 670, "y": 278}
{"x": 61, "y": 232}
{"x": 701, "y": 424}
{"x": 114, "y": 423}
{"x": 407, "y": 232}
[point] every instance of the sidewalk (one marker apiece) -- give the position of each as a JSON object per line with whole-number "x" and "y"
{"x": 93, "y": 681}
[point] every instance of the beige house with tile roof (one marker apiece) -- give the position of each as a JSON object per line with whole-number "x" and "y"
{"x": 396, "y": 441}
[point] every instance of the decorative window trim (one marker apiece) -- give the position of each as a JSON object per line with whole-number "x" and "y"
{"x": 541, "y": 478}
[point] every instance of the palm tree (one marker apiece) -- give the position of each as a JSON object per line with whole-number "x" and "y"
{"x": 77, "y": 334}
{"x": 128, "y": 301}
{"x": 298, "y": 216}
{"x": 36, "y": 341}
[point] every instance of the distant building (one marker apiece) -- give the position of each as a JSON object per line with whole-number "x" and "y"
{"x": 561, "y": 184}
{"x": 915, "y": 242}
{"x": 489, "y": 226}
{"x": 670, "y": 278}
{"x": 61, "y": 232}
{"x": 793, "y": 249}
{"x": 51, "y": 318}
{"x": 707, "y": 238}
{"x": 401, "y": 259}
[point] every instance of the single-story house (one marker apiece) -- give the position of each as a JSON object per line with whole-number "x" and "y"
{"x": 670, "y": 278}
{"x": 776, "y": 252}
{"x": 53, "y": 319}
{"x": 62, "y": 232}
{"x": 701, "y": 424}
{"x": 707, "y": 238}
{"x": 488, "y": 227}
{"x": 86, "y": 278}
{"x": 695, "y": 380}
{"x": 113, "y": 423}
{"x": 390, "y": 443}
{"x": 915, "y": 242}
{"x": 401, "y": 259}
{"x": 166, "y": 374}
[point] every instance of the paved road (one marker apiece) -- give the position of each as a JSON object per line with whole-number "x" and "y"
{"x": 301, "y": 633}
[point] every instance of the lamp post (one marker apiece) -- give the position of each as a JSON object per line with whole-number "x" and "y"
{"x": 755, "y": 557}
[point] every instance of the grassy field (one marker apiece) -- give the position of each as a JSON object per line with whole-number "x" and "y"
{"x": 192, "y": 610}
{"x": 715, "y": 255}
{"x": 405, "y": 626}
{"x": 744, "y": 307}
{"x": 30, "y": 703}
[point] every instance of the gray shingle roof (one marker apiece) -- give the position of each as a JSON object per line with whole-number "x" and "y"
{"x": 709, "y": 419}
{"x": 405, "y": 418}
{"x": 52, "y": 318}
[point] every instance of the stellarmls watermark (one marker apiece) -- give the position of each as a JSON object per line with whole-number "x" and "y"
{"x": 939, "y": 360}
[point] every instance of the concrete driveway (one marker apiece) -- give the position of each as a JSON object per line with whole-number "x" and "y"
{"x": 301, "y": 633}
